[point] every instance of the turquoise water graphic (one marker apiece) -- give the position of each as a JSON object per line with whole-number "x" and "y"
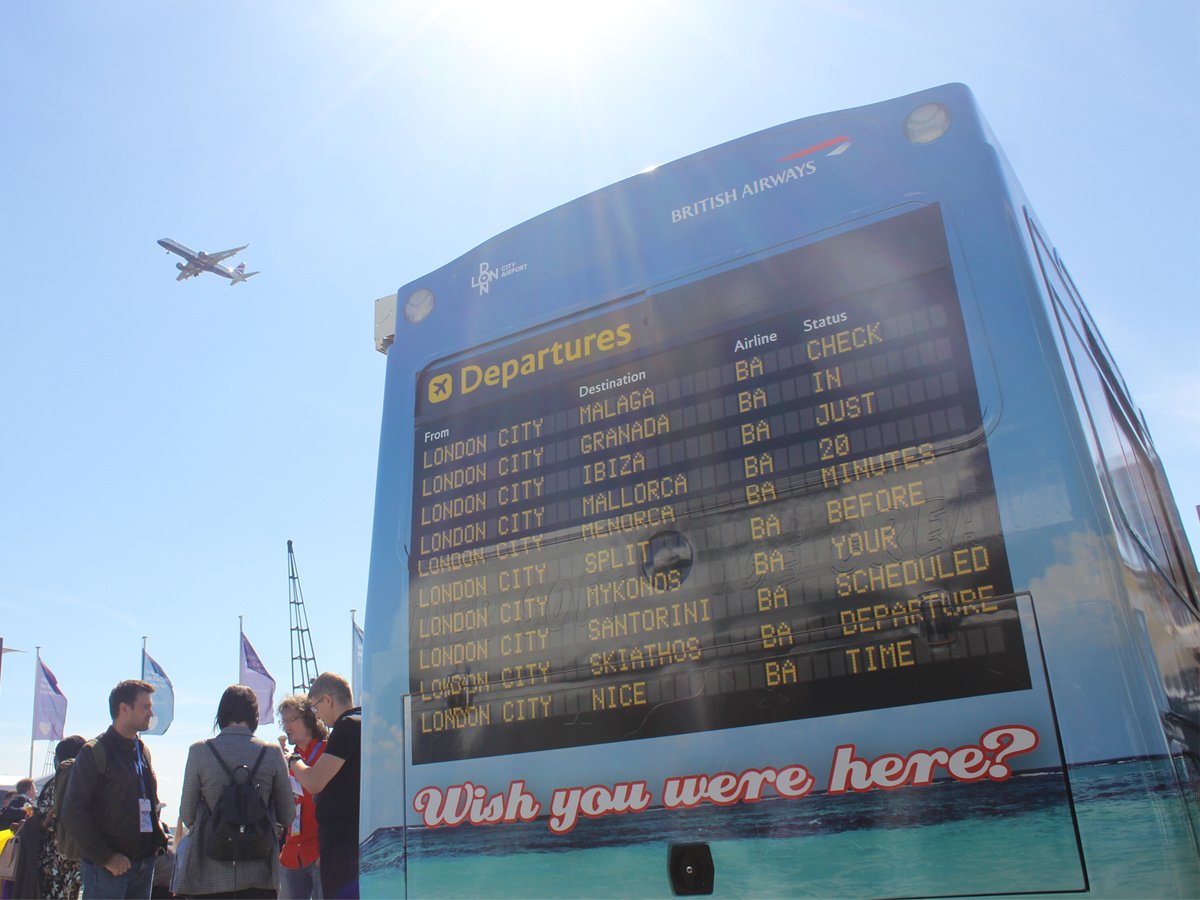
{"x": 947, "y": 839}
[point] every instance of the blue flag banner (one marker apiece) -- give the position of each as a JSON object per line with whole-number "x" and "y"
{"x": 164, "y": 695}
{"x": 356, "y": 656}
{"x": 49, "y": 706}
{"x": 255, "y": 676}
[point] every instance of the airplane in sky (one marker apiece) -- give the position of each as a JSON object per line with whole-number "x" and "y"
{"x": 198, "y": 263}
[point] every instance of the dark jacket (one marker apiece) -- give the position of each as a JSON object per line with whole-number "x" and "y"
{"x": 29, "y": 861}
{"x": 101, "y": 811}
{"x": 14, "y": 812}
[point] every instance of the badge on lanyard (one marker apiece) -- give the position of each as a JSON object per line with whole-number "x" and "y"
{"x": 145, "y": 807}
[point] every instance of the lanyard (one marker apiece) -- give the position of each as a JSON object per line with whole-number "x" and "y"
{"x": 313, "y": 755}
{"x": 140, "y": 767}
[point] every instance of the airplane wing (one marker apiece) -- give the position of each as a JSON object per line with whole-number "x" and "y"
{"x": 224, "y": 254}
{"x": 177, "y": 248}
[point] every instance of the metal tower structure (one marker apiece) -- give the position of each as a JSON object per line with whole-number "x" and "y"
{"x": 304, "y": 660}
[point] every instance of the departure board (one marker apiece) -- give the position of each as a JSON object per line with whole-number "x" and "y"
{"x": 757, "y": 496}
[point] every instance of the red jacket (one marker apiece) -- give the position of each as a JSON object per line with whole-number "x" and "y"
{"x": 301, "y": 848}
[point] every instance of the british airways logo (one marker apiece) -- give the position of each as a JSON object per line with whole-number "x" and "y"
{"x": 803, "y": 168}
{"x": 836, "y": 147}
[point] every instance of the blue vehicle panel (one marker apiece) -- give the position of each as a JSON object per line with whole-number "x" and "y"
{"x": 776, "y": 523}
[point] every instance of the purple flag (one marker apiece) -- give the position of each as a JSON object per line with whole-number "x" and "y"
{"x": 255, "y": 676}
{"x": 49, "y": 706}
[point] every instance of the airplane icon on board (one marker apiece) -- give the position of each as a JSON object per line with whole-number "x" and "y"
{"x": 440, "y": 387}
{"x": 198, "y": 263}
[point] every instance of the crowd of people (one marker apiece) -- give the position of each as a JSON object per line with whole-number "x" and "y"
{"x": 257, "y": 819}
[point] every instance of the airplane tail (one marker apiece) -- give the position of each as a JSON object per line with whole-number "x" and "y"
{"x": 240, "y": 274}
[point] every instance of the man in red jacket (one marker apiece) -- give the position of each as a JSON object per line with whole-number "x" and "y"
{"x": 299, "y": 873}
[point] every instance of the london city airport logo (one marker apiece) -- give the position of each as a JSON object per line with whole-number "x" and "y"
{"x": 483, "y": 281}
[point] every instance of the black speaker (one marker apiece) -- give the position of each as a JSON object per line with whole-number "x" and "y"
{"x": 691, "y": 869}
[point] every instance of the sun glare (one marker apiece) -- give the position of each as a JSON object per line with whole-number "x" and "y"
{"x": 540, "y": 34}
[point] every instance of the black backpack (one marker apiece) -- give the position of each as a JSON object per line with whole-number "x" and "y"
{"x": 241, "y": 825}
{"x": 68, "y": 847}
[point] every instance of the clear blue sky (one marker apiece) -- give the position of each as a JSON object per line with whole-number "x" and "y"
{"x": 163, "y": 441}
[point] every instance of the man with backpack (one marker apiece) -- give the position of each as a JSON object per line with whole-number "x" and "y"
{"x": 109, "y": 812}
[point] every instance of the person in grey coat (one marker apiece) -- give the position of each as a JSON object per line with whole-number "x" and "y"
{"x": 203, "y": 781}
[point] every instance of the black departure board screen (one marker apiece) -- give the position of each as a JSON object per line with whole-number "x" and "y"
{"x": 760, "y": 496}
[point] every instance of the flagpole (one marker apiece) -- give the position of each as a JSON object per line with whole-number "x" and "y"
{"x": 143, "y": 657}
{"x": 4, "y": 649}
{"x": 33, "y": 724}
{"x": 356, "y": 656}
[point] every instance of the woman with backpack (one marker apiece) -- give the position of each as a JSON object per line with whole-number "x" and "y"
{"x": 237, "y": 799}
{"x": 60, "y": 877}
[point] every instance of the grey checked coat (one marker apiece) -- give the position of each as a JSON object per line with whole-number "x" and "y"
{"x": 203, "y": 781}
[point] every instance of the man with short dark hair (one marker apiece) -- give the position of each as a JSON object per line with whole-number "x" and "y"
{"x": 111, "y": 804}
{"x": 334, "y": 779}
